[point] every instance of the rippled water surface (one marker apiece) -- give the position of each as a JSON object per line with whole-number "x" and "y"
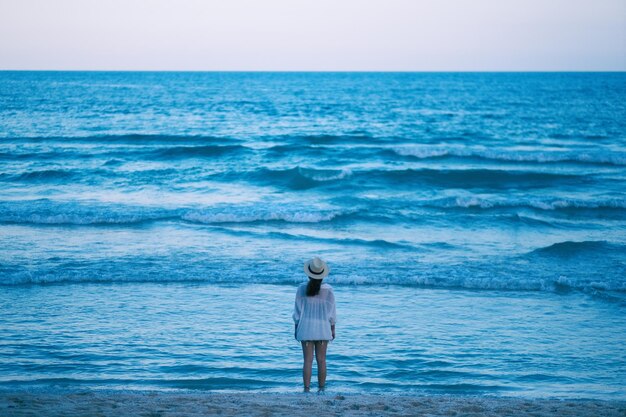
{"x": 239, "y": 337}
{"x": 475, "y": 225}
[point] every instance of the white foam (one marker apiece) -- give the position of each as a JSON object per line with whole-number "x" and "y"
{"x": 542, "y": 204}
{"x": 217, "y": 216}
{"x": 344, "y": 173}
{"x": 512, "y": 155}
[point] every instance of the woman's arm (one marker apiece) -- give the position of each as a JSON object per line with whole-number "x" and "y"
{"x": 333, "y": 312}
{"x": 297, "y": 310}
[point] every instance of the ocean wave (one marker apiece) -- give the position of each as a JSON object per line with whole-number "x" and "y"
{"x": 113, "y": 162}
{"x": 47, "y": 212}
{"x": 82, "y": 218}
{"x": 374, "y": 148}
{"x": 252, "y": 215}
{"x": 517, "y": 218}
{"x": 302, "y": 178}
{"x": 135, "y": 154}
{"x": 335, "y": 241}
{"x": 198, "y": 151}
{"x": 511, "y": 275}
{"x": 608, "y": 157}
{"x": 349, "y": 147}
{"x": 51, "y": 212}
{"x": 131, "y": 139}
{"x": 571, "y": 248}
{"x": 613, "y": 291}
{"x": 375, "y": 243}
{"x": 475, "y": 177}
{"x": 546, "y": 204}
{"x": 40, "y": 175}
{"x": 296, "y": 178}
{"x": 332, "y": 139}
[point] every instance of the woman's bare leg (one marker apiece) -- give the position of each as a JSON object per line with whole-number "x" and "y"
{"x": 307, "y": 351}
{"x": 320, "y": 357}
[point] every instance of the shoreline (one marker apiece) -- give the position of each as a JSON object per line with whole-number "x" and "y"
{"x": 159, "y": 403}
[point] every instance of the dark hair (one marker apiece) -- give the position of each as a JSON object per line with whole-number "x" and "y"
{"x": 313, "y": 287}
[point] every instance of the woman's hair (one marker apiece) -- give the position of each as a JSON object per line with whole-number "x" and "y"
{"x": 313, "y": 287}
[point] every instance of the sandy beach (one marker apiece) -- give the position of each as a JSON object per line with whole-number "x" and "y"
{"x": 151, "y": 403}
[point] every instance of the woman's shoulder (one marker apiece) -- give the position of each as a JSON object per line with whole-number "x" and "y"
{"x": 327, "y": 287}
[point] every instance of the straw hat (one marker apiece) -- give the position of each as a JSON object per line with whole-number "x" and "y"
{"x": 316, "y": 268}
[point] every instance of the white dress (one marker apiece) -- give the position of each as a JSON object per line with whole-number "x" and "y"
{"x": 314, "y": 315}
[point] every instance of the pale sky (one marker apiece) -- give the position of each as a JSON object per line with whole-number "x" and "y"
{"x": 314, "y": 35}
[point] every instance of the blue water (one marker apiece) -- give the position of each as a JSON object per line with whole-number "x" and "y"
{"x": 475, "y": 225}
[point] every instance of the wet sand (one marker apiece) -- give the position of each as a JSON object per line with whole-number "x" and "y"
{"x": 151, "y": 403}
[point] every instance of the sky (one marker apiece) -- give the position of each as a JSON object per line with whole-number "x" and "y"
{"x": 314, "y": 35}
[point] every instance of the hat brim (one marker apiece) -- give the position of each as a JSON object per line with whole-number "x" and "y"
{"x": 313, "y": 275}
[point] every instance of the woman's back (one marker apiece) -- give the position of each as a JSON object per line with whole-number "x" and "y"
{"x": 314, "y": 315}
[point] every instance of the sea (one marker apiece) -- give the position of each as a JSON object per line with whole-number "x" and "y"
{"x": 154, "y": 227}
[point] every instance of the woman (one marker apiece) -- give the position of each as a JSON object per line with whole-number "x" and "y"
{"x": 314, "y": 316}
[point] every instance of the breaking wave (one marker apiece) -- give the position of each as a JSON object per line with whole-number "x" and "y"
{"x": 505, "y": 155}
{"x": 551, "y": 204}
{"x": 47, "y": 212}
